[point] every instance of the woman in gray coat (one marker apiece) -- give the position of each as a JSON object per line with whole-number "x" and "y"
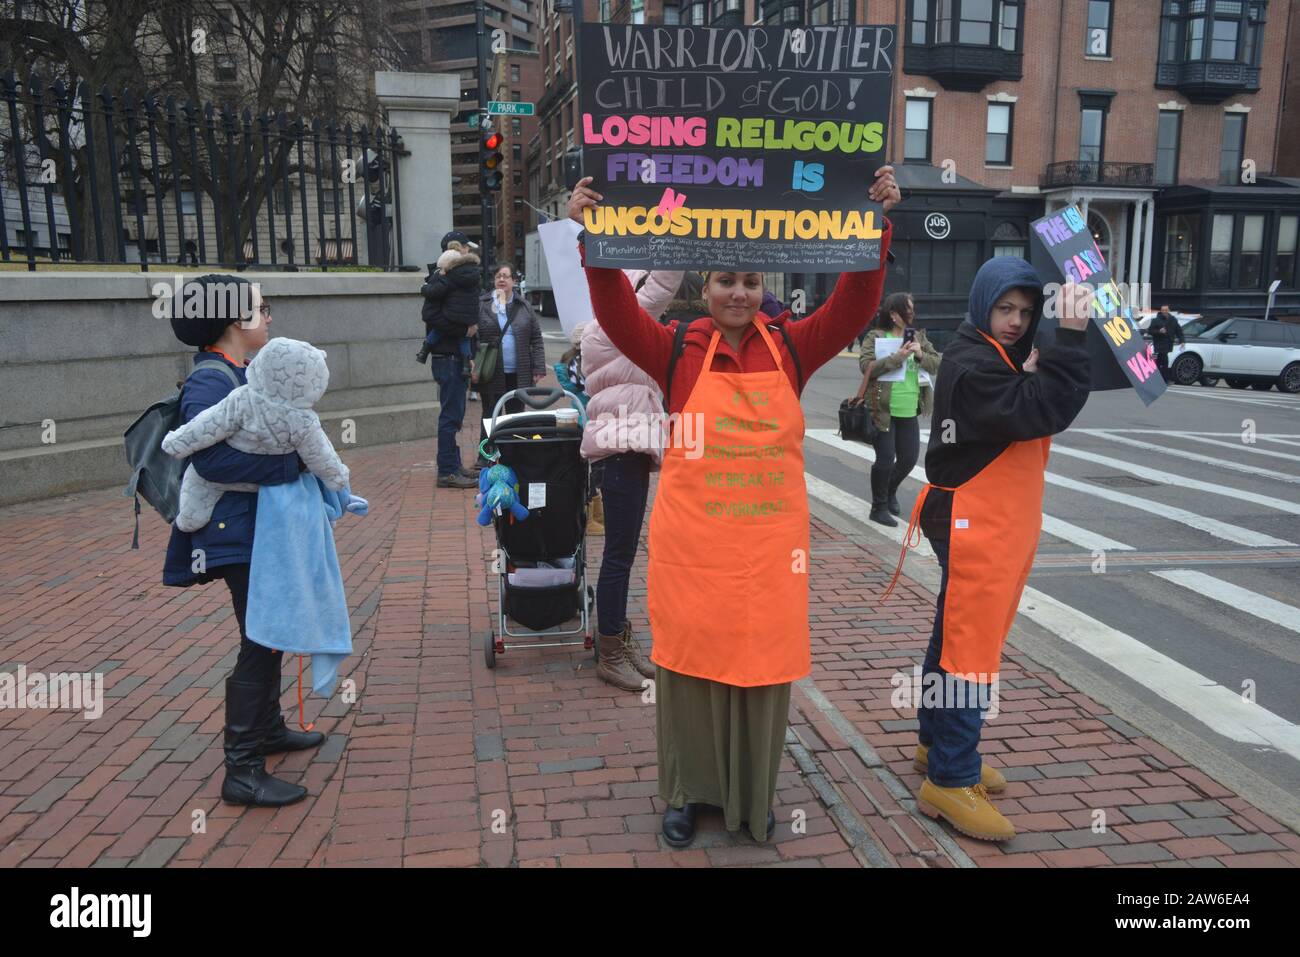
{"x": 522, "y": 360}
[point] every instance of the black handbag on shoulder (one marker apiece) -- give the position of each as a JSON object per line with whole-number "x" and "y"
{"x": 855, "y": 421}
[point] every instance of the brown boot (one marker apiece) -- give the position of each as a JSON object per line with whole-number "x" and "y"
{"x": 612, "y": 666}
{"x": 632, "y": 649}
{"x": 990, "y": 776}
{"x": 596, "y": 516}
{"x": 968, "y": 809}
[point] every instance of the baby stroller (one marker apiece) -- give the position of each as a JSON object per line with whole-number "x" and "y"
{"x": 542, "y": 560}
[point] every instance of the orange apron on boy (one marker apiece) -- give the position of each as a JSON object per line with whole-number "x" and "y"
{"x": 728, "y": 546}
{"x": 996, "y": 520}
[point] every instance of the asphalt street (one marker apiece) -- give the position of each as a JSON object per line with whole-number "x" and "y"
{"x": 1168, "y": 574}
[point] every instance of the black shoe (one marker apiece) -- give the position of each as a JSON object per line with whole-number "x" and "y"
{"x": 423, "y": 355}
{"x": 892, "y": 504}
{"x": 880, "y": 515}
{"x": 277, "y": 736}
{"x": 771, "y": 825}
{"x": 246, "y": 779}
{"x": 679, "y": 825}
{"x": 457, "y": 480}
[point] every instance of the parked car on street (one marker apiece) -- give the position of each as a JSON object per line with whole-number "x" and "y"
{"x": 1244, "y": 352}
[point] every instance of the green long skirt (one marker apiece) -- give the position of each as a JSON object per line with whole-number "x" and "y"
{"x": 720, "y": 745}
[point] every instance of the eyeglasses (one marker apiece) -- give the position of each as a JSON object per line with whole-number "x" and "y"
{"x": 264, "y": 308}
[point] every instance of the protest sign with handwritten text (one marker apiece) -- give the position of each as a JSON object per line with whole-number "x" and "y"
{"x": 739, "y": 147}
{"x": 1062, "y": 250}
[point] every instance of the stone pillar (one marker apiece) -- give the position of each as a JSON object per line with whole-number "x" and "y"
{"x": 1147, "y": 246}
{"x": 1135, "y": 244}
{"x": 420, "y": 107}
{"x": 1120, "y": 247}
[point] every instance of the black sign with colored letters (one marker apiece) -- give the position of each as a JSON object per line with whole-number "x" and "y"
{"x": 740, "y": 147}
{"x": 1062, "y": 250}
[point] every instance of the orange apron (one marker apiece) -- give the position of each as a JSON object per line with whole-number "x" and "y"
{"x": 996, "y": 518}
{"x": 728, "y": 572}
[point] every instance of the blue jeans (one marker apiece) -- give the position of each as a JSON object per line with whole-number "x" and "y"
{"x": 624, "y": 481}
{"x": 452, "y": 387}
{"x": 952, "y": 730}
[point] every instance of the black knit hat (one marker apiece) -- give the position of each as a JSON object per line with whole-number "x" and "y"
{"x": 206, "y": 306}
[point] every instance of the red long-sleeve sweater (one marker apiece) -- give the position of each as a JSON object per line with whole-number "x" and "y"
{"x": 817, "y": 339}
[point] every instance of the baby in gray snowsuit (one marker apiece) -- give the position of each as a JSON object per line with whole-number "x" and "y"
{"x": 272, "y": 415}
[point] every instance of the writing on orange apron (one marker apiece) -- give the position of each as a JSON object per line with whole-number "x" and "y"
{"x": 728, "y": 547}
{"x": 996, "y": 519}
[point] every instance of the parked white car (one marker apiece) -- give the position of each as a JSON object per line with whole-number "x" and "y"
{"x": 1244, "y": 352}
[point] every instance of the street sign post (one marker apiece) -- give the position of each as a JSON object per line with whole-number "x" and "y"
{"x": 509, "y": 108}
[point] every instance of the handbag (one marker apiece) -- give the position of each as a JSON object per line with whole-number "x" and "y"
{"x": 855, "y": 421}
{"x": 489, "y": 354}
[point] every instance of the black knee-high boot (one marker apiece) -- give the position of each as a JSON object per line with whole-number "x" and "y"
{"x": 246, "y": 779}
{"x": 278, "y": 735}
{"x": 880, "y": 512}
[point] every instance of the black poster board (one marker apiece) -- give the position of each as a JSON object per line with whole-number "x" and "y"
{"x": 748, "y": 148}
{"x": 1062, "y": 250}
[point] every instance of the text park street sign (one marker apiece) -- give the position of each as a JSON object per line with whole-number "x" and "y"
{"x": 500, "y": 108}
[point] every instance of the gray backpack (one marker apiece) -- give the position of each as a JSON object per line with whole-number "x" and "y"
{"x": 155, "y": 475}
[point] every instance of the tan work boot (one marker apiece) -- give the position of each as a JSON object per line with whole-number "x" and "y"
{"x": 968, "y": 809}
{"x": 990, "y": 776}
{"x": 632, "y": 649}
{"x": 596, "y": 516}
{"x": 612, "y": 666}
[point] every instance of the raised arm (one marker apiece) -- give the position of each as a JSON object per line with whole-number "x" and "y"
{"x": 220, "y": 463}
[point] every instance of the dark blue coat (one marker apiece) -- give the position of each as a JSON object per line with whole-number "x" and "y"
{"x": 228, "y": 538}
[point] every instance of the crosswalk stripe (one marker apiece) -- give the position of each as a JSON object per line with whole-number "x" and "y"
{"x": 1084, "y": 538}
{"x": 1224, "y": 530}
{"x": 1278, "y": 439}
{"x": 1221, "y": 709}
{"x": 1177, "y": 481}
{"x": 1242, "y": 599}
{"x": 859, "y": 509}
{"x": 1263, "y": 398}
{"x": 1242, "y": 446}
{"x": 1193, "y": 456}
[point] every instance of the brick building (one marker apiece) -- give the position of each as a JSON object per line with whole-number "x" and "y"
{"x": 1288, "y": 151}
{"x": 439, "y": 37}
{"x": 1160, "y": 118}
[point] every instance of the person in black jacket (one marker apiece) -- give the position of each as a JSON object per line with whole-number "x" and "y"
{"x": 1164, "y": 330}
{"x": 997, "y": 401}
{"x": 450, "y": 314}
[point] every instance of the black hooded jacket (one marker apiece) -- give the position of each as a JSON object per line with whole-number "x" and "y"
{"x": 981, "y": 405}
{"x": 451, "y": 302}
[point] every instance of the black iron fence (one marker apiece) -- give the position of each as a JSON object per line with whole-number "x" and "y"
{"x": 124, "y": 179}
{"x": 1085, "y": 172}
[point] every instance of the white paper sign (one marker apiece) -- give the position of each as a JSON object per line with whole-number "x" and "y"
{"x": 886, "y": 348}
{"x": 536, "y": 495}
{"x": 568, "y": 281}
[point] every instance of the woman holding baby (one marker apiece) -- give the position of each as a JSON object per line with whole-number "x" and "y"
{"x": 223, "y": 548}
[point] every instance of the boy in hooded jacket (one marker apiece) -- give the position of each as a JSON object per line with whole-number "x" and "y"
{"x": 997, "y": 400}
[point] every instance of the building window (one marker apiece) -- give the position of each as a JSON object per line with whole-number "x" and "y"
{"x": 1285, "y": 260}
{"x": 517, "y": 176}
{"x": 727, "y": 13}
{"x": 1097, "y": 40}
{"x": 920, "y": 20}
{"x": 1092, "y": 135}
{"x": 1010, "y": 28}
{"x": 997, "y": 138}
{"x": 1223, "y": 30}
{"x": 516, "y": 126}
{"x": 976, "y": 23}
{"x": 188, "y": 203}
{"x": 694, "y": 12}
{"x": 916, "y": 135}
{"x": 1009, "y": 240}
{"x": 1182, "y": 236}
{"x": 1221, "y": 251}
{"x": 1234, "y": 144}
{"x": 517, "y": 152}
{"x": 514, "y": 73}
{"x": 1169, "y": 131}
{"x": 830, "y": 12}
{"x": 1250, "y": 264}
{"x": 225, "y": 69}
{"x": 672, "y": 13}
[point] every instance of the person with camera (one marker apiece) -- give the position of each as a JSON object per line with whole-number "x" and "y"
{"x": 895, "y": 407}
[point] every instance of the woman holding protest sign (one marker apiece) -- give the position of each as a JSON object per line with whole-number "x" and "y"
{"x": 727, "y": 583}
{"x": 895, "y": 405}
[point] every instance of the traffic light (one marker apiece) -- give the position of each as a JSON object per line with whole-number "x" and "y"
{"x": 490, "y": 159}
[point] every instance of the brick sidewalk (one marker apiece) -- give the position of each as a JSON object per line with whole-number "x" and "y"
{"x": 441, "y": 761}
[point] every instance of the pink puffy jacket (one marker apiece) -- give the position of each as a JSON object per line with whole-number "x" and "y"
{"x": 625, "y": 402}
